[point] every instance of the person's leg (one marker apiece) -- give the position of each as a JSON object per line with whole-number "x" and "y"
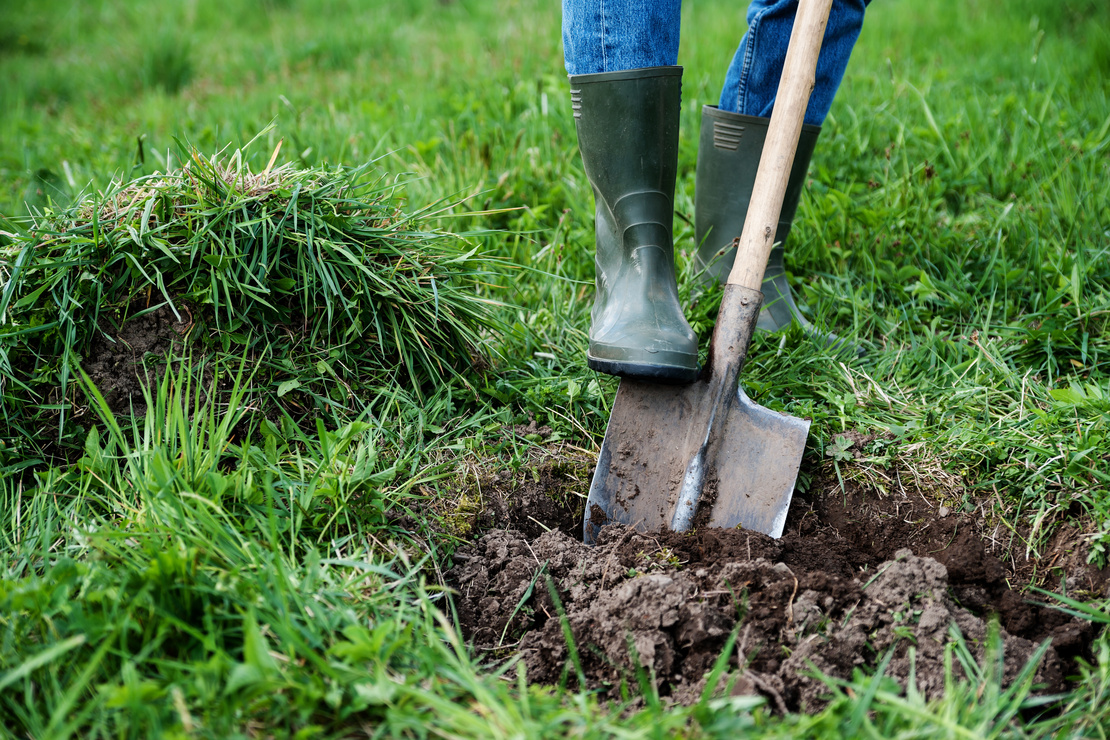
{"x": 732, "y": 141}
{"x": 615, "y": 35}
{"x": 753, "y": 77}
{"x": 626, "y": 93}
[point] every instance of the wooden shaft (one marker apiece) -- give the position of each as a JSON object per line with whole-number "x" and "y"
{"x": 798, "y": 78}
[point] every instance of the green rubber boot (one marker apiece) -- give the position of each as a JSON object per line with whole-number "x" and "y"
{"x": 627, "y": 126}
{"x": 728, "y": 157}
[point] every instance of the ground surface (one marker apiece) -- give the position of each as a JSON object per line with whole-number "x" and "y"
{"x": 853, "y": 578}
{"x": 287, "y": 555}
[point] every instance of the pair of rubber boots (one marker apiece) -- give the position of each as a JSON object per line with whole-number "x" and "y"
{"x": 627, "y": 125}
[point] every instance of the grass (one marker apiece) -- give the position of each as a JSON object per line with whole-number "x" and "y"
{"x": 955, "y": 222}
{"x": 315, "y": 272}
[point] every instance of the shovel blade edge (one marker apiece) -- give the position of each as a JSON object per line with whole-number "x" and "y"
{"x": 752, "y": 456}
{"x": 754, "y": 467}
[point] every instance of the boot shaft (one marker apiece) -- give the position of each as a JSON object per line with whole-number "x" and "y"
{"x": 627, "y": 124}
{"x": 728, "y": 159}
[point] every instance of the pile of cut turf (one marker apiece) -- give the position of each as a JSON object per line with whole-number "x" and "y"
{"x": 316, "y": 274}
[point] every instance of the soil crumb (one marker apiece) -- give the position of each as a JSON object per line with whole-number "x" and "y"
{"x": 855, "y": 579}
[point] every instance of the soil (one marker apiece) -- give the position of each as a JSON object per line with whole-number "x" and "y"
{"x": 115, "y": 361}
{"x": 857, "y": 578}
{"x": 547, "y": 492}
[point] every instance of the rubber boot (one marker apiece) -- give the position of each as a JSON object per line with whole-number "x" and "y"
{"x": 627, "y": 125}
{"x": 728, "y": 157}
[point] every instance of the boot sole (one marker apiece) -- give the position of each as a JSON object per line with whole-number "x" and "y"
{"x": 668, "y": 374}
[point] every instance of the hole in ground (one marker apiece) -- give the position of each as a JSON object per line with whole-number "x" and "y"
{"x": 547, "y": 492}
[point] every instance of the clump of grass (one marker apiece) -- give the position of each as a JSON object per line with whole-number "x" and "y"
{"x": 314, "y": 268}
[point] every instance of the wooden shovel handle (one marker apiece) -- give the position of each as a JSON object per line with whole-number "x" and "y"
{"x": 798, "y": 78}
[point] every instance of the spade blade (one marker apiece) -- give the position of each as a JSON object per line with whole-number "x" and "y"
{"x": 704, "y": 451}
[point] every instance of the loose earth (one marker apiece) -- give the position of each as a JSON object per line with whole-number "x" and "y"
{"x": 856, "y": 581}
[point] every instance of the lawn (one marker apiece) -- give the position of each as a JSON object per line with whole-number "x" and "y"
{"x": 293, "y": 308}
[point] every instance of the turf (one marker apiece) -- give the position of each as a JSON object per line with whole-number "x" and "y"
{"x": 246, "y": 562}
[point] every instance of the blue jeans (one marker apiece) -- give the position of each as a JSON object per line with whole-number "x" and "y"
{"x": 614, "y": 35}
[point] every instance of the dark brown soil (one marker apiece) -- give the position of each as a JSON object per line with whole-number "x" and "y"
{"x": 854, "y": 578}
{"x": 126, "y": 355}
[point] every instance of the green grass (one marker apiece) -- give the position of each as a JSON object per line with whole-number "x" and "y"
{"x": 956, "y": 222}
{"x": 315, "y": 272}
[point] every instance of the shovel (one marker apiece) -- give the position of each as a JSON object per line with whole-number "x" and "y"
{"x": 705, "y": 452}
